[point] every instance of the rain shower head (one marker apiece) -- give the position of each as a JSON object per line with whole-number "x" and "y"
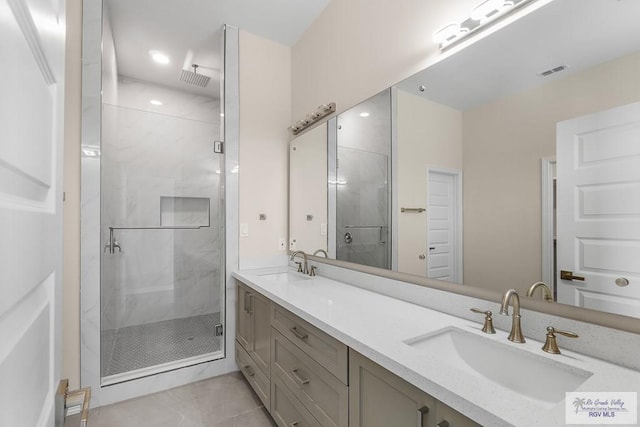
{"x": 193, "y": 78}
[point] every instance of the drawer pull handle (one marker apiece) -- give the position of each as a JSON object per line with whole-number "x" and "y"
{"x": 302, "y": 336}
{"x": 443, "y": 423}
{"x": 294, "y": 424}
{"x": 296, "y": 376}
{"x": 248, "y": 371}
{"x": 421, "y": 412}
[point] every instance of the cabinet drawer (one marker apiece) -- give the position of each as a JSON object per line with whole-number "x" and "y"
{"x": 286, "y": 409}
{"x": 256, "y": 378}
{"x": 326, "y": 350}
{"x": 326, "y": 397}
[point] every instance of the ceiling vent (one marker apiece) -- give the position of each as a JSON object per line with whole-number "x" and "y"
{"x": 553, "y": 70}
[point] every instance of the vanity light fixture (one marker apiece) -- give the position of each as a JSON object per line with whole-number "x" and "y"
{"x": 321, "y": 112}
{"x": 155, "y": 102}
{"x": 481, "y": 15}
{"x": 159, "y": 57}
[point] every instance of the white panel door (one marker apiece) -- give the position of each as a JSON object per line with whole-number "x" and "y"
{"x": 441, "y": 226}
{"x": 598, "y": 208}
{"x": 31, "y": 124}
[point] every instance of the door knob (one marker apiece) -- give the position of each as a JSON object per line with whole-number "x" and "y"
{"x": 421, "y": 256}
{"x": 568, "y": 275}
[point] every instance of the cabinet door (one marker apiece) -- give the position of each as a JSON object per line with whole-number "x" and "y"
{"x": 378, "y": 398}
{"x": 260, "y": 309}
{"x": 243, "y": 316}
{"x": 449, "y": 417}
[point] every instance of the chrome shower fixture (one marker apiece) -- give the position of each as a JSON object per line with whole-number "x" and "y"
{"x": 193, "y": 78}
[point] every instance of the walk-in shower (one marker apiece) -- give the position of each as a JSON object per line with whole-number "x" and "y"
{"x": 161, "y": 195}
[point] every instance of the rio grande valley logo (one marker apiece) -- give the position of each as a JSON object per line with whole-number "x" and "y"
{"x": 601, "y": 408}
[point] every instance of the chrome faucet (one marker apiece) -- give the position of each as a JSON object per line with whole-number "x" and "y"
{"x": 301, "y": 269}
{"x": 516, "y": 331}
{"x": 546, "y": 292}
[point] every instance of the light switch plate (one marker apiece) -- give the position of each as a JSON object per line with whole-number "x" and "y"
{"x": 244, "y": 229}
{"x": 282, "y": 244}
{"x": 323, "y": 229}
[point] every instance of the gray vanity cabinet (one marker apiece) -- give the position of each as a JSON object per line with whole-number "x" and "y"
{"x": 253, "y": 339}
{"x": 307, "y": 378}
{"x": 378, "y": 398}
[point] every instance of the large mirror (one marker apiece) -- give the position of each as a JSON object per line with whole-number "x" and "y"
{"x": 476, "y": 191}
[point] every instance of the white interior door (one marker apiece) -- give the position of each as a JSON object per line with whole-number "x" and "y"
{"x": 598, "y": 208}
{"x": 442, "y": 226}
{"x": 31, "y": 119}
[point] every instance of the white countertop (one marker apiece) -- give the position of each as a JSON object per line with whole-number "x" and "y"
{"x": 376, "y": 326}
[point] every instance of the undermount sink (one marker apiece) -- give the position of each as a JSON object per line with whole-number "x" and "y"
{"x": 285, "y": 276}
{"x": 518, "y": 370}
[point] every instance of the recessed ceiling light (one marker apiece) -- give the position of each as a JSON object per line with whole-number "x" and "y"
{"x": 159, "y": 57}
{"x": 365, "y": 114}
{"x": 155, "y": 102}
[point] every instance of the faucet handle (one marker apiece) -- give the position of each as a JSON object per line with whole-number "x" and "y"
{"x": 550, "y": 345}
{"x": 312, "y": 270}
{"x": 487, "y": 328}
{"x": 299, "y": 264}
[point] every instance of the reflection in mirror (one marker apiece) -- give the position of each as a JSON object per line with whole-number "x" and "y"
{"x": 493, "y": 113}
{"x": 308, "y": 187}
{"x": 362, "y": 190}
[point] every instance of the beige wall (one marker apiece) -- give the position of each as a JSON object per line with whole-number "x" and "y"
{"x": 265, "y": 115}
{"x": 504, "y": 143}
{"x": 429, "y": 134}
{"x": 356, "y": 48}
{"x": 71, "y": 210}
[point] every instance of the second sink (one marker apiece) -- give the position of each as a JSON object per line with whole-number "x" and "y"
{"x": 518, "y": 370}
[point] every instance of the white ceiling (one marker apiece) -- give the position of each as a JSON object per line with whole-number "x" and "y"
{"x": 577, "y": 33}
{"x": 177, "y": 27}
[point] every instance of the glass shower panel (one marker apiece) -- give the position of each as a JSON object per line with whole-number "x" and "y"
{"x": 362, "y": 189}
{"x": 362, "y": 216}
{"x": 162, "y": 278}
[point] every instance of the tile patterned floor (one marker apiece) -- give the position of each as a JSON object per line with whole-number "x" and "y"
{"x": 141, "y": 346}
{"x": 225, "y": 401}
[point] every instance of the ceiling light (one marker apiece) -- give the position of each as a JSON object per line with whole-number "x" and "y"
{"x": 155, "y": 102}
{"x": 447, "y": 33}
{"x": 159, "y": 57}
{"x": 365, "y": 114}
{"x": 486, "y": 9}
{"x": 481, "y": 16}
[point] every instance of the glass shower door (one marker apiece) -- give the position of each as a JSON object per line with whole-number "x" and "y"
{"x": 162, "y": 263}
{"x": 161, "y": 195}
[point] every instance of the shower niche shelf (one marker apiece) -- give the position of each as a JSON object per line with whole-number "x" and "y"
{"x": 187, "y": 212}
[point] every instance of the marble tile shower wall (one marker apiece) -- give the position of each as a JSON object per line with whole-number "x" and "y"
{"x": 150, "y": 152}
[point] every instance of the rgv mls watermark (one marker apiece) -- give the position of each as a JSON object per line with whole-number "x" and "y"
{"x": 607, "y": 407}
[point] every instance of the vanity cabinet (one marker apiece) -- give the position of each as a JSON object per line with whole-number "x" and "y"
{"x": 253, "y": 339}
{"x": 306, "y": 378}
{"x": 378, "y": 398}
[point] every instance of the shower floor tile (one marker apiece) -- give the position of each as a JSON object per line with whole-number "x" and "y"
{"x": 142, "y": 346}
